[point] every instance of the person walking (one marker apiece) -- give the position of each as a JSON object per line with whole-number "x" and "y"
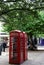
{"x": 4, "y": 46}
{"x": 0, "y": 48}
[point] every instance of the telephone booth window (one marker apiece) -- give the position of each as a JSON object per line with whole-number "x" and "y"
{"x": 14, "y": 47}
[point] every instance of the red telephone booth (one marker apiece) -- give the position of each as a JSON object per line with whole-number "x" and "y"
{"x": 17, "y": 50}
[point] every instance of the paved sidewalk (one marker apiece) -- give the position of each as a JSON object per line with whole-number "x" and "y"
{"x": 34, "y": 58}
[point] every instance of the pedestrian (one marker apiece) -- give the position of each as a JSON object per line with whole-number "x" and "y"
{"x": 0, "y": 48}
{"x": 4, "y": 46}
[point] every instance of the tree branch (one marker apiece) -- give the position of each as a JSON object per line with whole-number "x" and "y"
{"x": 25, "y": 9}
{"x": 6, "y": 11}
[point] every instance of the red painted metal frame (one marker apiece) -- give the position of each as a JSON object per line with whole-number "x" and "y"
{"x": 25, "y": 46}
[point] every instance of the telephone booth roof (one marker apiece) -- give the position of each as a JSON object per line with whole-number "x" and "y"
{"x": 15, "y": 31}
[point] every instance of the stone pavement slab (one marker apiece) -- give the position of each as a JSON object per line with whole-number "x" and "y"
{"x": 34, "y": 58}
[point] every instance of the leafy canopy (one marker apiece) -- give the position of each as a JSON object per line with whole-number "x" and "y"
{"x": 22, "y": 15}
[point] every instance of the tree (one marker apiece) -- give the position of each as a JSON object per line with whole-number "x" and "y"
{"x": 22, "y": 15}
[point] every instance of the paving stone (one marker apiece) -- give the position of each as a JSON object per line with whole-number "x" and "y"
{"x": 34, "y": 58}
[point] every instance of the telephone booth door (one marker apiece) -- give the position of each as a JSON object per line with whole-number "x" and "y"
{"x": 13, "y": 49}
